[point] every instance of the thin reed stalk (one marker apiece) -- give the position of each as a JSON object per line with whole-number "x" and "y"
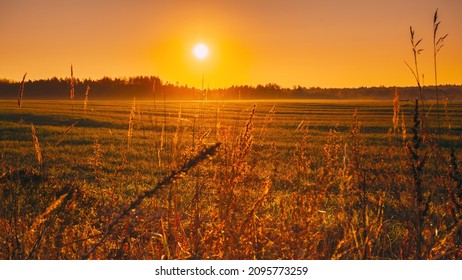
{"x": 176, "y": 136}
{"x": 154, "y": 99}
{"x": 131, "y": 123}
{"x": 38, "y": 152}
{"x": 396, "y": 109}
{"x": 438, "y": 43}
{"x": 65, "y": 133}
{"x": 421, "y": 203}
{"x": 403, "y": 126}
{"x": 72, "y": 83}
{"x": 217, "y": 123}
{"x": 446, "y": 113}
{"x": 42, "y": 219}
{"x": 416, "y": 50}
{"x": 85, "y": 102}
{"x": 21, "y": 91}
{"x": 268, "y": 119}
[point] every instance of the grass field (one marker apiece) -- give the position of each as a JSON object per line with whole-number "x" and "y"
{"x": 278, "y": 179}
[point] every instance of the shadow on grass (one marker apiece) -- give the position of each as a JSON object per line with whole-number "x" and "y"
{"x": 56, "y": 120}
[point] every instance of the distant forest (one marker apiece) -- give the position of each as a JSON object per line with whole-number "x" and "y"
{"x": 150, "y": 87}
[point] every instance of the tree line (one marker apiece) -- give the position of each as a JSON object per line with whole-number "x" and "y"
{"x": 150, "y": 87}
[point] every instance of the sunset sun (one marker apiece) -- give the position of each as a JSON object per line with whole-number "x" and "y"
{"x": 201, "y": 51}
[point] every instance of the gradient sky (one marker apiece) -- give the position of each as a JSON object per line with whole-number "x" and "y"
{"x": 326, "y": 43}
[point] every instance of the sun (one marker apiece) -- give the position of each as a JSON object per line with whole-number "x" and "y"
{"x": 201, "y": 51}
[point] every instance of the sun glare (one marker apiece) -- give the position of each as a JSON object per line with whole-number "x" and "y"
{"x": 201, "y": 51}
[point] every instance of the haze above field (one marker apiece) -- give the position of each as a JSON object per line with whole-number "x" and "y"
{"x": 332, "y": 43}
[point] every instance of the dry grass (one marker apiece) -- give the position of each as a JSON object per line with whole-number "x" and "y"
{"x": 60, "y": 140}
{"x": 300, "y": 191}
{"x": 85, "y": 101}
{"x": 38, "y": 152}
{"x": 71, "y": 83}
{"x": 131, "y": 122}
{"x": 21, "y": 91}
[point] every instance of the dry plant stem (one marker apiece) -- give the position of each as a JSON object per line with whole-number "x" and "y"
{"x": 72, "y": 87}
{"x": 435, "y": 28}
{"x": 268, "y": 119}
{"x": 217, "y": 122}
{"x": 38, "y": 152}
{"x": 65, "y": 133}
{"x": 43, "y": 218}
{"x": 165, "y": 109}
{"x": 415, "y": 72}
{"x": 396, "y": 109}
{"x": 176, "y": 136}
{"x": 21, "y": 91}
{"x": 85, "y": 102}
{"x": 417, "y": 162}
{"x": 131, "y": 123}
{"x": 154, "y": 100}
{"x": 446, "y": 112}
{"x": 403, "y": 127}
{"x": 208, "y": 152}
{"x": 95, "y": 159}
{"x": 163, "y": 135}
{"x": 437, "y": 45}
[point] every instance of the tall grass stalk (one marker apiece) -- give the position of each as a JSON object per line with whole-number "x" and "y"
{"x": 21, "y": 91}
{"x": 446, "y": 113}
{"x": 268, "y": 119}
{"x": 416, "y": 50}
{"x": 176, "y": 135}
{"x": 96, "y": 159}
{"x": 154, "y": 100}
{"x": 38, "y": 152}
{"x": 417, "y": 160}
{"x": 65, "y": 133}
{"x": 85, "y": 102}
{"x": 131, "y": 122}
{"x": 43, "y": 221}
{"x": 217, "y": 123}
{"x": 396, "y": 109}
{"x": 438, "y": 43}
{"x": 72, "y": 83}
{"x": 403, "y": 127}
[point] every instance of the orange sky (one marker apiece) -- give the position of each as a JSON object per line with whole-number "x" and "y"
{"x": 326, "y": 43}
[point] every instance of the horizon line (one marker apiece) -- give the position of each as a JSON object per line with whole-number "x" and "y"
{"x": 165, "y": 82}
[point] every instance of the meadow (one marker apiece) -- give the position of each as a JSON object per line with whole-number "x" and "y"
{"x": 266, "y": 179}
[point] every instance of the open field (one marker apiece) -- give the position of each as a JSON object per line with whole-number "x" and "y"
{"x": 230, "y": 180}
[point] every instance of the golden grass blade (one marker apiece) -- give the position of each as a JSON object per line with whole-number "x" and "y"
{"x": 396, "y": 109}
{"x": 65, "y": 133}
{"x": 38, "y": 152}
{"x": 53, "y": 206}
{"x": 131, "y": 123}
{"x": 21, "y": 91}
{"x": 85, "y": 102}
{"x": 72, "y": 85}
